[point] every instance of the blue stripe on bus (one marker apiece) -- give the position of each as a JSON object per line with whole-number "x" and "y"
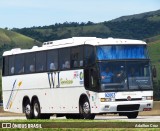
{"x": 11, "y": 94}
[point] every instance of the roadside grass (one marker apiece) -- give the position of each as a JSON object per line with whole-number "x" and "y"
{"x": 79, "y": 125}
{"x": 59, "y": 120}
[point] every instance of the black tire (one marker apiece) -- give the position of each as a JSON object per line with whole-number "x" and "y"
{"x": 36, "y": 109}
{"x": 28, "y": 110}
{"x": 85, "y": 110}
{"x": 132, "y": 115}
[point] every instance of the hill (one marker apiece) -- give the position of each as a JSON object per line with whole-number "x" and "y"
{"x": 10, "y": 39}
{"x": 152, "y": 16}
{"x": 154, "y": 52}
{"x": 139, "y": 26}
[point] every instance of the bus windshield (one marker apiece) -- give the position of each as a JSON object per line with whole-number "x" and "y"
{"x": 125, "y": 75}
{"x": 121, "y": 52}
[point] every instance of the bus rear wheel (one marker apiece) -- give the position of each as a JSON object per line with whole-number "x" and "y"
{"x": 132, "y": 115}
{"x": 36, "y": 109}
{"x": 28, "y": 109}
{"x": 85, "y": 110}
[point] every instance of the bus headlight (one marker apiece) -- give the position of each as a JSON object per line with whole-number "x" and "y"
{"x": 107, "y": 99}
{"x": 147, "y": 97}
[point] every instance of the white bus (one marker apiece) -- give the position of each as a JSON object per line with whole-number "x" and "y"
{"x": 78, "y": 78}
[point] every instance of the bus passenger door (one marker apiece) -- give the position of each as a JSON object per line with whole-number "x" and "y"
{"x": 91, "y": 79}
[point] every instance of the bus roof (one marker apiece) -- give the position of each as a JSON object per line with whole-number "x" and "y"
{"x": 75, "y": 41}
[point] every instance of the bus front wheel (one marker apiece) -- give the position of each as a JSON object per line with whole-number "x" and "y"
{"x": 132, "y": 115}
{"x": 85, "y": 110}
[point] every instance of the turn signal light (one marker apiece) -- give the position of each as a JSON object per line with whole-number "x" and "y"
{"x": 107, "y": 99}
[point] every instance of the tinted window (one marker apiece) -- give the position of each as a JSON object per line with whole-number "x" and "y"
{"x": 19, "y": 64}
{"x": 64, "y": 58}
{"x": 77, "y": 56}
{"x": 89, "y": 55}
{"x": 122, "y": 52}
{"x": 11, "y": 65}
{"x": 5, "y": 65}
{"x": 30, "y": 63}
{"x": 52, "y": 60}
{"x": 40, "y": 61}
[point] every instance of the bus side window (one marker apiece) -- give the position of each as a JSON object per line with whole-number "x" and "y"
{"x": 12, "y": 70}
{"x": 52, "y": 60}
{"x": 89, "y": 55}
{"x": 11, "y": 65}
{"x": 52, "y": 66}
{"x": 81, "y": 63}
{"x": 5, "y": 66}
{"x": 64, "y": 58}
{"x": 76, "y": 56}
{"x": 30, "y": 63}
{"x": 32, "y": 68}
{"x": 67, "y": 65}
{"x": 40, "y": 61}
{"x": 19, "y": 64}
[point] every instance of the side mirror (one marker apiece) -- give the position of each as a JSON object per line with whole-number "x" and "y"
{"x": 154, "y": 72}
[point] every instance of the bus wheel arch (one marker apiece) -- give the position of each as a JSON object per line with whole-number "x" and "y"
{"x": 27, "y": 107}
{"x": 85, "y": 108}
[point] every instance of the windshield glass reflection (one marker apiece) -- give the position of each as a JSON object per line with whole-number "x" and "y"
{"x": 125, "y": 75}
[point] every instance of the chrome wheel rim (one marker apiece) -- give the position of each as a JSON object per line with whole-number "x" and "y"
{"x": 28, "y": 109}
{"x": 86, "y": 108}
{"x": 36, "y": 109}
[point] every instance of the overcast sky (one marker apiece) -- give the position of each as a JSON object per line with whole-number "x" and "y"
{"x": 28, "y": 13}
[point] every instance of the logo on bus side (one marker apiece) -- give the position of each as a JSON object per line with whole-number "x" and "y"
{"x": 66, "y": 81}
{"x": 81, "y": 76}
{"x": 75, "y": 75}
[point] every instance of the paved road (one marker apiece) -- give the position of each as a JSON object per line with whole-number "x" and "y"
{"x": 116, "y": 118}
{"x": 123, "y": 118}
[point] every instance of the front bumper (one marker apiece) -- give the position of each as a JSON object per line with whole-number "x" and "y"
{"x": 125, "y": 106}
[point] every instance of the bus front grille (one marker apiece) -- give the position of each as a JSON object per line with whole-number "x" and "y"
{"x": 133, "y": 99}
{"x": 131, "y": 107}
